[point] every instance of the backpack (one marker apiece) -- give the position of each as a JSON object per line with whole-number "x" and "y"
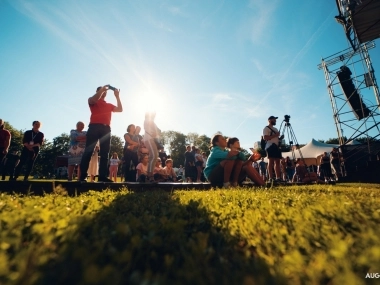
{"x": 264, "y": 142}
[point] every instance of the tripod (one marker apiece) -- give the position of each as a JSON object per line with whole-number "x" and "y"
{"x": 288, "y": 130}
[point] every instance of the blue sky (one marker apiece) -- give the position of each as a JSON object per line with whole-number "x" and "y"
{"x": 203, "y": 66}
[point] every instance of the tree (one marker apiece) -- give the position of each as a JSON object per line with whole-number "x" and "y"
{"x": 49, "y": 152}
{"x": 192, "y": 138}
{"x": 177, "y": 146}
{"x": 203, "y": 143}
{"x": 117, "y": 146}
{"x": 16, "y": 137}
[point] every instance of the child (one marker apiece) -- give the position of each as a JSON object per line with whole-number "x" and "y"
{"x": 169, "y": 171}
{"x": 114, "y": 165}
{"x": 142, "y": 169}
{"x": 158, "y": 171}
{"x": 227, "y": 167}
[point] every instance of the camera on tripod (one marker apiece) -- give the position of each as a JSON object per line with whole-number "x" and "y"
{"x": 286, "y": 118}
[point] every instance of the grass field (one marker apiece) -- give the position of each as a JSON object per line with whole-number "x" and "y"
{"x": 315, "y": 234}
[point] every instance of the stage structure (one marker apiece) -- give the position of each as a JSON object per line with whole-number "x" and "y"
{"x": 352, "y": 86}
{"x": 355, "y": 102}
{"x": 360, "y": 20}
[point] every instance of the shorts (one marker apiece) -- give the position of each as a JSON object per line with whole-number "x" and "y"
{"x": 273, "y": 151}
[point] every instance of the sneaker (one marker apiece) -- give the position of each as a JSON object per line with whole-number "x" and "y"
{"x": 104, "y": 179}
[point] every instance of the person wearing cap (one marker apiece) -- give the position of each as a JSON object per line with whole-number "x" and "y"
{"x": 5, "y": 140}
{"x": 99, "y": 129}
{"x": 271, "y": 135}
{"x": 32, "y": 141}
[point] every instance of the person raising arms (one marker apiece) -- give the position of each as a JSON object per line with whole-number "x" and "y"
{"x": 99, "y": 129}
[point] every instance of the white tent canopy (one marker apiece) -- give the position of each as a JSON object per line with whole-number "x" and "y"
{"x": 311, "y": 152}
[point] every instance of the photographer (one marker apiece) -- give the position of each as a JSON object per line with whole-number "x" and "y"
{"x": 99, "y": 129}
{"x": 272, "y": 137}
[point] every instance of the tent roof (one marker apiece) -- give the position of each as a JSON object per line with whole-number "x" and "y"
{"x": 354, "y": 142}
{"x": 312, "y": 150}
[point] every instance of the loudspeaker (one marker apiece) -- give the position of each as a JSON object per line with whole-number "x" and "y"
{"x": 354, "y": 99}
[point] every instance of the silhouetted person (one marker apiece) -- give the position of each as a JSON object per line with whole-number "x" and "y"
{"x": 99, "y": 129}
{"x": 32, "y": 141}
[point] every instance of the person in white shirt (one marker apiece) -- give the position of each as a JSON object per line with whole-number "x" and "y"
{"x": 271, "y": 135}
{"x": 114, "y": 165}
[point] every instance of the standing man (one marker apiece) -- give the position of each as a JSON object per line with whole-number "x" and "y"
{"x": 99, "y": 129}
{"x": 271, "y": 135}
{"x": 263, "y": 169}
{"x": 32, "y": 142}
{"x": 5, "y": 141}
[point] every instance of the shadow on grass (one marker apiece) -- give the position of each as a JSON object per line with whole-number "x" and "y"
{"x": 151, "y": 238}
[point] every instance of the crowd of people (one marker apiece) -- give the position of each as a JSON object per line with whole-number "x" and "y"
{"x": 144, "y": 159}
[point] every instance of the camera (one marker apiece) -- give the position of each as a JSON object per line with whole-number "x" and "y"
{"x": 111, "y": 87}
{"x": 286, "y": 118}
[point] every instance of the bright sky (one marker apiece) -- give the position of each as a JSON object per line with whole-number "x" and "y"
{"x": 204, "y": 66}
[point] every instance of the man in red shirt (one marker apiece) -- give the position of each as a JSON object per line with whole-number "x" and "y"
{"x": 99, "y": 130}
{"x": 5, "y": 140}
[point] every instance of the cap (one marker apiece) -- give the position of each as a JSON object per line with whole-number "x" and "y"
{"x": 272, "y": 117}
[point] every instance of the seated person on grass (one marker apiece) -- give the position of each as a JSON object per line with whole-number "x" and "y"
{"x": 142, "y": 169}
{"x": 158, "y": 171}
{"x": 228, "y": 167}
{"x": 303, "y": 175}
{"x": 168, "y": 171}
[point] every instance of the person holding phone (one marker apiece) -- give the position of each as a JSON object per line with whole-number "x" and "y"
{"x": 100, "y": 129}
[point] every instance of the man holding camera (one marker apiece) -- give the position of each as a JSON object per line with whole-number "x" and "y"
{"x": 272, "y": 137}
{"x": 99, "y": 130}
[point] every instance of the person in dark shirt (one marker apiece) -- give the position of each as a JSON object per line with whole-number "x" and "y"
{"x": 32, "y": 141}
{"x": 10, "y": 162}
{"x": 163, "y": 156}
{"x": 189, "y": 165}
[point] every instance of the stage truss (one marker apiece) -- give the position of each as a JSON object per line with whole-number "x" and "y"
{"x": 348, "y": 126}
{"x": 360, "y": 20}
